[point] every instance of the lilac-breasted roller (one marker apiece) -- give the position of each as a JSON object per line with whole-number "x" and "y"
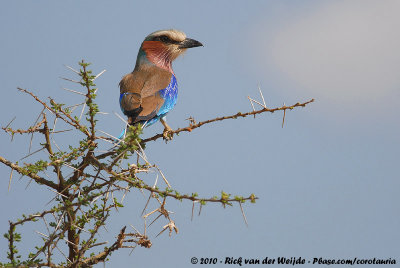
{"x": 150, "y": 91}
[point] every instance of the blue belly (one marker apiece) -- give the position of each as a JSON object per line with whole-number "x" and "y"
{"x": 170, "y": 96}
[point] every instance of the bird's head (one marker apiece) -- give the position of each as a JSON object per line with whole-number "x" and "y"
{"x": 163, "y": 47}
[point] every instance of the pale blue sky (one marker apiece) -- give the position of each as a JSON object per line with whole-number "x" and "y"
{"x": 328, "y": 182}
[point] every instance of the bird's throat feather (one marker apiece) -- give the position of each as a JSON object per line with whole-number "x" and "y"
{"x": 159, "y": 54}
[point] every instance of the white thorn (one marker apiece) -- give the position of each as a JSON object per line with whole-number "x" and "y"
{"x": 97, "y": 76}
{"x": 73, "y": 91}
{"x": 120, "y": 117}
{"x": 72, "y": 69}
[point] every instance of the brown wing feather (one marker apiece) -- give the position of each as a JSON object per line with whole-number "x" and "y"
{"x": 144, "y": 84}
{"x": 150, "y": 105}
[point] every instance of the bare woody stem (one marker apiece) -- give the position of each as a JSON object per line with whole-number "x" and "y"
{"x": 33, "y": 176}
{"x": 235, "y": 116}
{"x": 137, "y": 183}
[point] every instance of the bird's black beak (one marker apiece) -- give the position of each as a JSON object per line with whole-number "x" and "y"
{"x": 188, "y": 43}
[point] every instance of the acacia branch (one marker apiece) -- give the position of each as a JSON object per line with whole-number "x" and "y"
{"x": 235, "y": 116}
{"x": 89, "y": 101}
{"x": 223, "y": 200}
{"x": 31, "y": 175}
{"x": 103, "y": 255}
{"x": 137, "y": 183}
{"x": 71, "y": 121}
{"x": 32, "y": 129}
{"x": 47, "y": 145}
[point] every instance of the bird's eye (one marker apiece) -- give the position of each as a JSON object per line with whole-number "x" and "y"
{"x": 164, "y": 39}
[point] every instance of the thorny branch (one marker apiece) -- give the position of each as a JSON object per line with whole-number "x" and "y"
{"x": 235, "y": 116}
{"x": 88, "y": 182}
{"x": 23, "y": 171}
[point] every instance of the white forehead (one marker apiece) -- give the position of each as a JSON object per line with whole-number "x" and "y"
{"x": 172, "y": 34}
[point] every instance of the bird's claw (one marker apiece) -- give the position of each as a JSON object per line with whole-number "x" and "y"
{"x": 168, "y": 133}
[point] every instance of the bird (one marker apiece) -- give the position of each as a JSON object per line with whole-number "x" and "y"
{"x": 150, "y": 91}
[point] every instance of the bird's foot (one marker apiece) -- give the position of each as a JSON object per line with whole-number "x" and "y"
{"x": 168, "y": 133}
